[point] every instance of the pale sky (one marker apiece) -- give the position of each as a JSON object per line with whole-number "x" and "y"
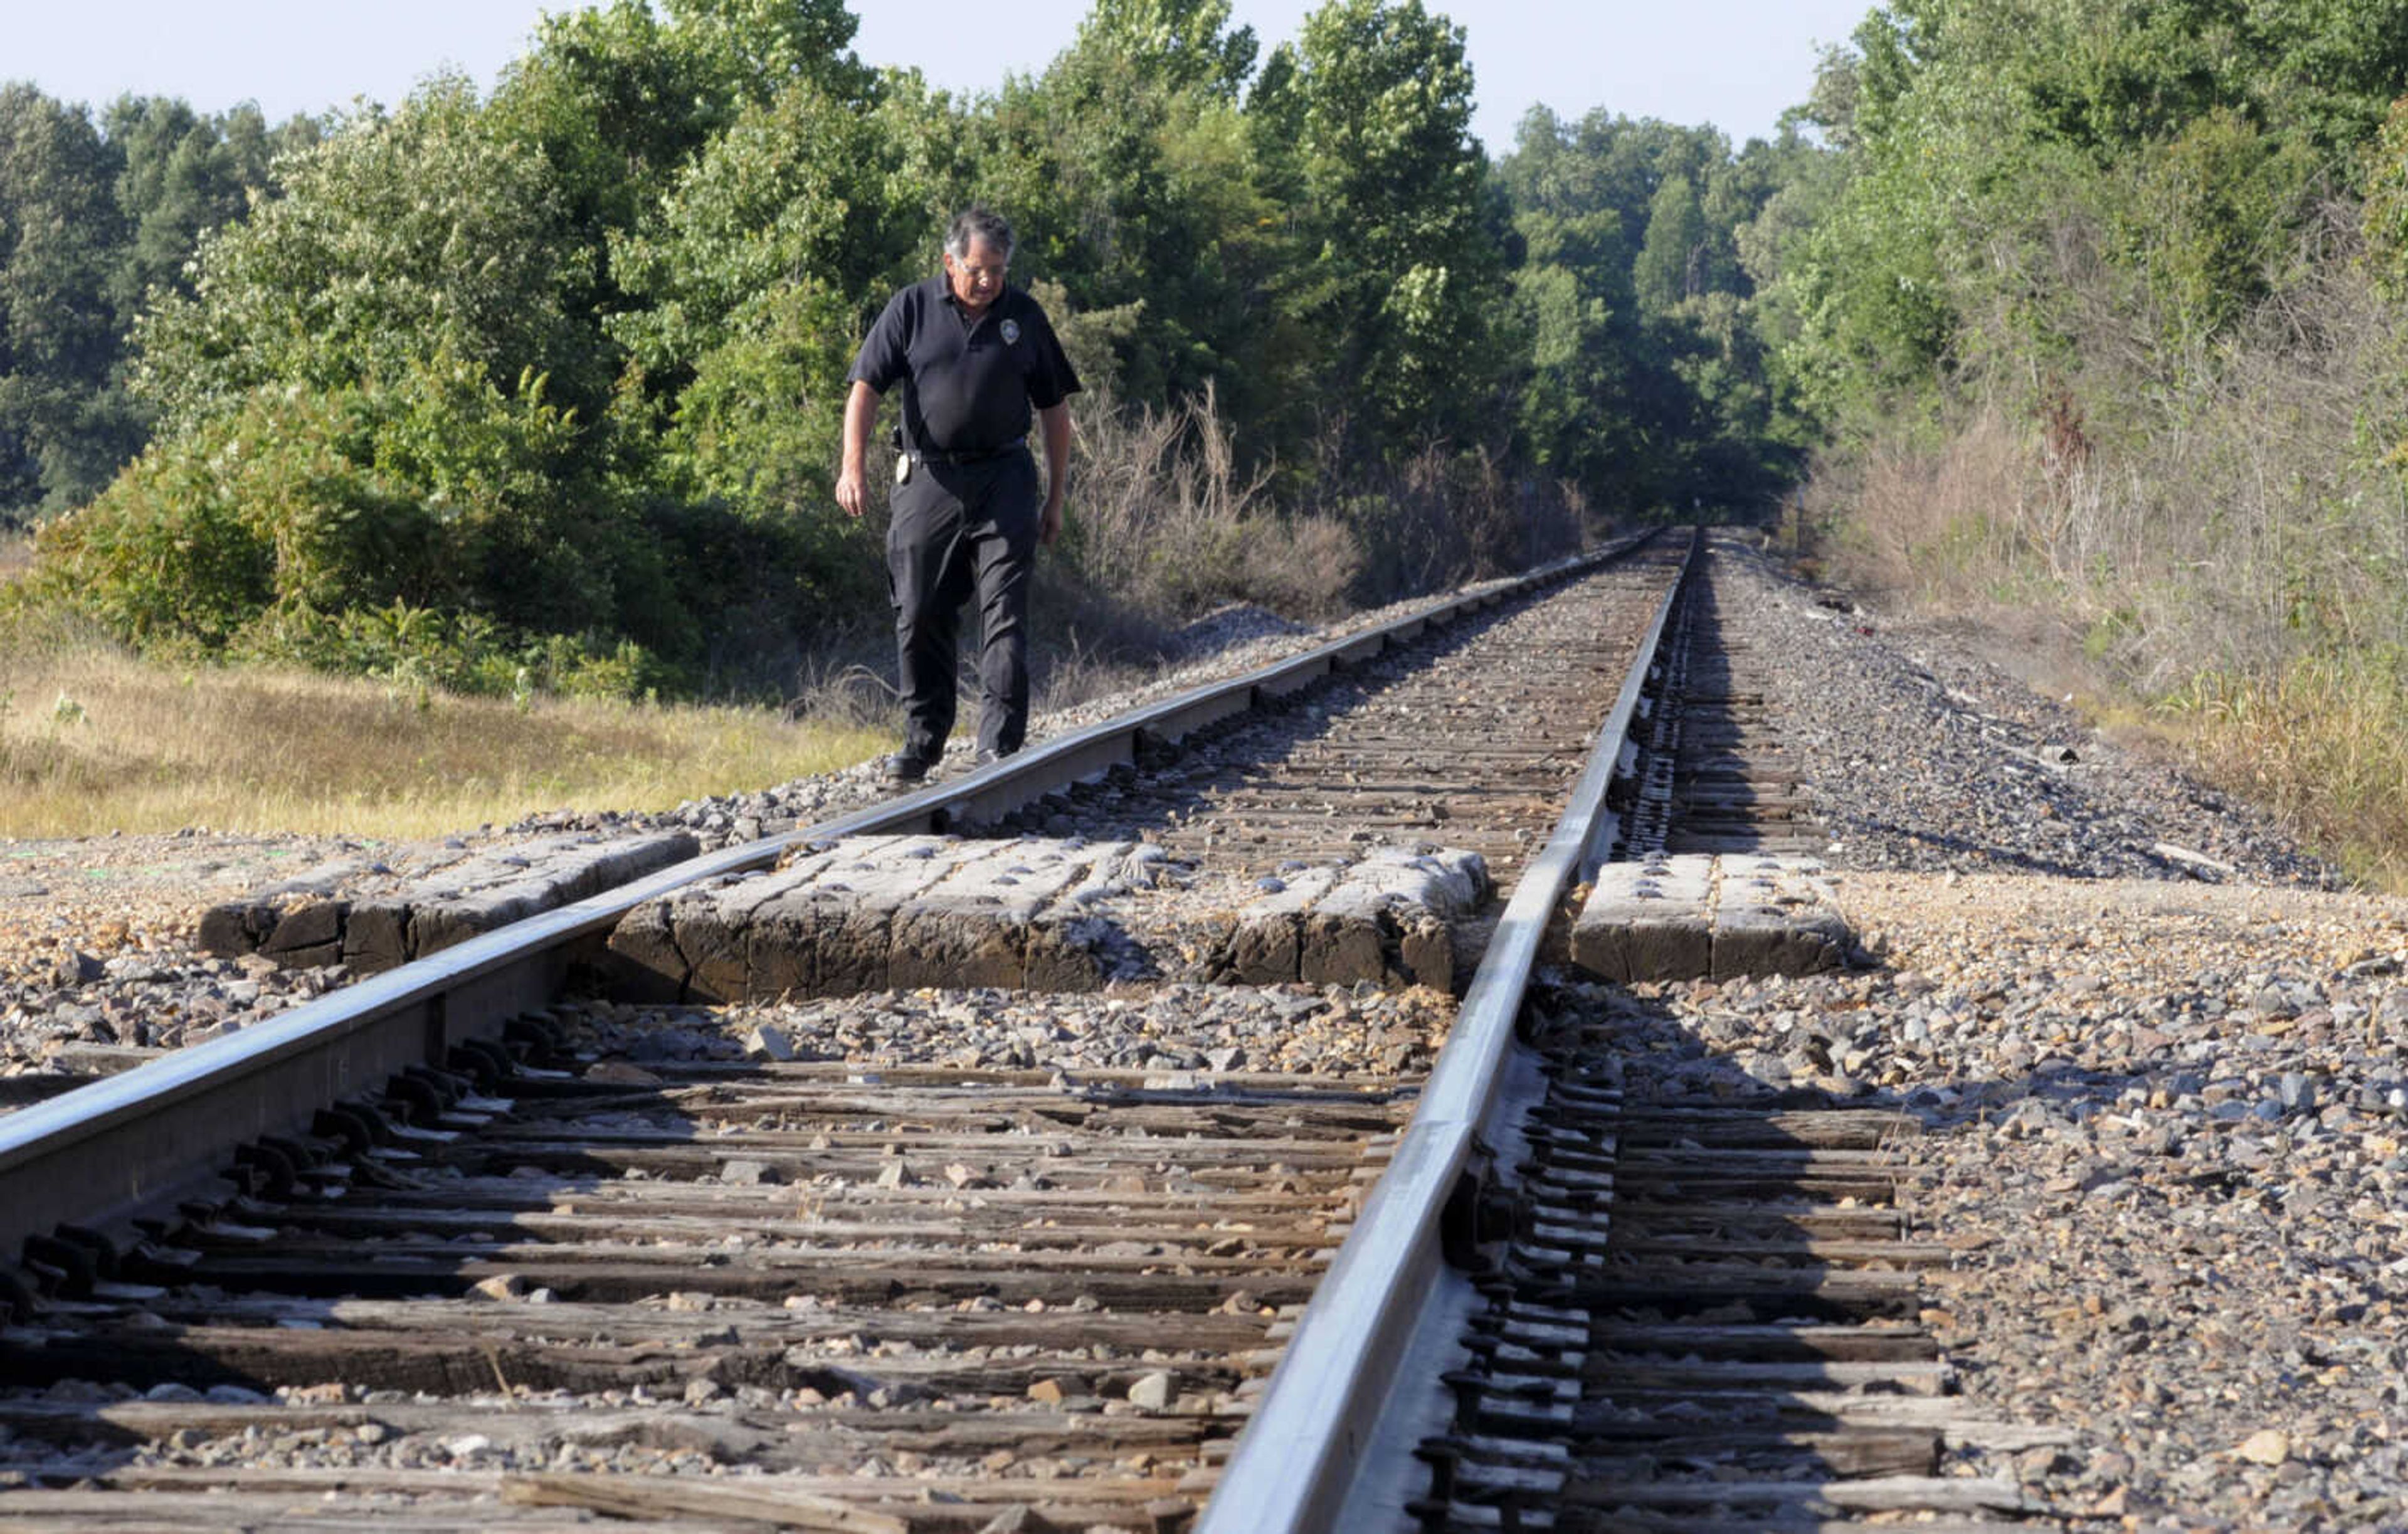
{"x": 1735, "y": 63}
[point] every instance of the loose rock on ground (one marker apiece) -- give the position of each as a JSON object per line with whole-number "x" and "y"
{"x": 2159, "y": 1058}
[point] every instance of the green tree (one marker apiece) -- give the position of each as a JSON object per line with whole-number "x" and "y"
{"x": 2332, "y": 69}
{"x": 377, "y": 380}
{"x": 2208, "y": 216}
{"x": 182, "y": 176}
{"x": 2015, "y": 170}
{"x": 1400, "y": 274}
{"x": 622, "y": 97}
{"x": 401, "y": 237}
{"x": 750, "y": 284}
{"x": 1671, "y": 265}
{"x": 1648, "y": 384}
{"x": 1180, "y": 44}
{"x": 1579, "y": 312}
{"x": 65, "y": 425}
{"x": 426, "y": 488}
{"x": 1128, "y": 172}
{"x": 2385, "y": 212}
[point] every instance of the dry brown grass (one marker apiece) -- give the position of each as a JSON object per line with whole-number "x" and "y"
{"x": 1944, "y": 525}
{"x": 92, "y": 741}
{"x": 2324, "y": 745}
{"x": 2223, "y": 541}
{"x": 1168, "y": 522}
{"x": 16, "y": 555}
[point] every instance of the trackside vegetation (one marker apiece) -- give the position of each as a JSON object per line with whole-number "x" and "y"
{"x": 2086, "y": 315}
{"x": 93, "y": 739}
{"x": 2100, "y": 308}
{"x": 545, "y": 384}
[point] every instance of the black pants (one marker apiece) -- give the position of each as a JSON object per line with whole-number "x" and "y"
{"x": 958, "y": 528}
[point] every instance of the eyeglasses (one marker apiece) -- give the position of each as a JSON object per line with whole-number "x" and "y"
{"x": 980, "y": 274}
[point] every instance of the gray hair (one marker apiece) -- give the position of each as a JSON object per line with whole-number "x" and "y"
{"x": 975, "y": 223}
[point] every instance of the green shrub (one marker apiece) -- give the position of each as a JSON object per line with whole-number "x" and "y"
{"x": 431, "y": 530}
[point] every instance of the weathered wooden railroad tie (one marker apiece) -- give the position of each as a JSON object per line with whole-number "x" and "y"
{"x": 1035, "y": 1303}
{"x": 1473, "y": 750}
{"x": 1038, "y": 1301}
{"x": 1352, "y": 836}
{"x": 1710, "y": 772}
{"x": 1702, "y": 1311}
{"x": 1347, "y": 831}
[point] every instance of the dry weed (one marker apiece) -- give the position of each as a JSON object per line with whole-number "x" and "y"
{"x": 2324, "y": 745}
{"x": 2225, "y": 536}
{"x": 1162, "y": 513}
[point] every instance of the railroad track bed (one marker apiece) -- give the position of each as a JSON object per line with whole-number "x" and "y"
{"x": 1998, "y": 1222}
{"x": 1936, "y": 747}
{"x": 1473, "y": 750}
{"x": 924, "y": 1285}
{"x": 2164, "y": 1134}
{"x": 101, "y": 967}
{"x": 87, "y": 1004}
{"x": 936, "y": 1293}
{"x": 1704, "y": 1308}
{"x": 2141, "y": 1152}
{"x": 2136, "y": 1196}
{"x": 1319, "y": 841}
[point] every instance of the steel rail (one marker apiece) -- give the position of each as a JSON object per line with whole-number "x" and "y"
{"x": 103, "y": 1156}
{"x": 1297, "y": 1460}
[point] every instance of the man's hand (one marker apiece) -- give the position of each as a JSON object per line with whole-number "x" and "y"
{"x": 1054, "y": 426}
{"x": 860, "y": 414}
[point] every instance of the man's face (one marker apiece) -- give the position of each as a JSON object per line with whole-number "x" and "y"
{"x": 977, "y": 278}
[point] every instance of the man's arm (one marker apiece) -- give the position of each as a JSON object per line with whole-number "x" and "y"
{"x": 1053, "y": 423}
{"x": 860, "y": 416}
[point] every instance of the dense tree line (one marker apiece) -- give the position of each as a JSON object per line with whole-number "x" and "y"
{"x": 549, "y": 382}
{"x": 2019, "y": 180}
{"x": 542, "y": 387}
{"x": 96, "y": 216}
{"x": 2144, "y": 261}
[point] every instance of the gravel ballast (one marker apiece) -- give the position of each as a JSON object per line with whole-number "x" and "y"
{"x": 2159, "y": 1057}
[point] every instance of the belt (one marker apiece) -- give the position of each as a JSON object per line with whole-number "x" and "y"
{"x": 1013, "y": 446}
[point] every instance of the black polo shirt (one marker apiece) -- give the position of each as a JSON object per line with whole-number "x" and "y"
{"x": 967, "y": 388}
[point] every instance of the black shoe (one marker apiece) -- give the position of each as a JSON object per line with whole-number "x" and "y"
{"x": 904, "y": 767}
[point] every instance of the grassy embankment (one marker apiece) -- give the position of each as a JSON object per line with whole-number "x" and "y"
{"x": 94, "y": 740}
{"x": 2239, "y": 589}
{"x": 1167, "y": 526}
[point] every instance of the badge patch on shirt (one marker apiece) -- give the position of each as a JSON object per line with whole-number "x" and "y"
{"x": 1010, "y": 332}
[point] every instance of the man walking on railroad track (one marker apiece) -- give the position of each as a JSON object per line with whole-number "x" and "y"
{"x": 974, "y": 356}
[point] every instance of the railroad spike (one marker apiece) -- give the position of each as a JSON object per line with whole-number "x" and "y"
{"x": 358, "y": 1127}
{"x": 270, "y": 1172}
{"x": 63, "y": 1269}
{"x": 157, "y": 1262}
{"x": 449, "y": 1088}
{"x": 19, "y": 1302}
{"x": 532, "y": 1038}
{"x": 103, "y": 1250}
{"x": 412, "y": 1099}
{"x": 303, "y": 1152}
